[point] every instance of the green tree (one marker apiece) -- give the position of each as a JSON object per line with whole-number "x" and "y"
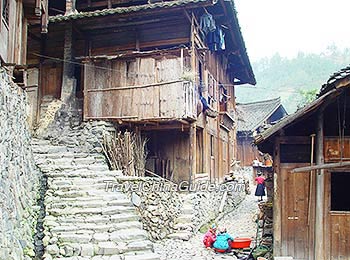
{"x": 307, "y": 96}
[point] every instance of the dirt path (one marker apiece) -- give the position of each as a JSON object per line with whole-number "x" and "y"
{"x": 239, "y": 222}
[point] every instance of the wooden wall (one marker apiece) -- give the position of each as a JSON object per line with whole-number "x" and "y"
{"x": 337, "y": 225}
{"x": 173, "y": 146}
{"x": 297, "y": 218}
{"x": 246, "y": 152}
{"x": 13, "y": 36}
{"x": 139, "y": 89}
{"x": 295, "y": 205}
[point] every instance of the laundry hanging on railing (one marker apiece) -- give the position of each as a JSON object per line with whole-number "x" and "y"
{"x": 216, "y": 40}
{"x": 207, "y": 23}
{"x": 213, "y": 34}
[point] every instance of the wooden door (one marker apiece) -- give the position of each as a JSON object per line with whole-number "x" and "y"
{"x": 51, "y": 80}
{"x": 297, "y": 215}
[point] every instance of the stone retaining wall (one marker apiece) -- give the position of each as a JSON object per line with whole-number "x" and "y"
{"x": 19, "y": 177}
{"x": 207, "y": 204}
{"x": 157, "y": 204}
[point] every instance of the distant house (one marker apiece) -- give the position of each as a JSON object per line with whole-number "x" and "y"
{"x": 252, "y": 118}
{"x": 311, "y": 150}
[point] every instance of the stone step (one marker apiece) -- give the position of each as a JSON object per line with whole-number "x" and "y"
{"x": 72, "y": 180}
{"x": 77, "y": 187}
{"x": 84, "y": 173}
{"x": 97, "y": 228}
{"x": 188, "y": 210}
{"x": 184, "y": 227}
{"x": 52, "y": 168}
{"x": 184, "y": 219}
{"x": 35, "y": 141}
{"x": 93, "y": 194}
{"x": 87, "y": 236}
{"x": 150, "y": 256}
{"x": 71, "y": 160}
{"x": 183, "y": 235}
{"x": 42, "y": 149}
{"x": 111, "y": 210}
{"x": 88, "y": 203}
{"x": 105, "y": 196}
{"x": 95, "y": 219}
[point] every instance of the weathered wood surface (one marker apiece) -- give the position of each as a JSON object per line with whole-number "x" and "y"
{"x": 296, "y": 233}
{"x": 141, "y": 89}
{"x": 336, "y": 149}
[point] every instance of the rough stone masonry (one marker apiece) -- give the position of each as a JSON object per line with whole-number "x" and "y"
{"x": 19, "y": 177}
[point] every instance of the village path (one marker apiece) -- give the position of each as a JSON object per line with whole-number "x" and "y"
{"x": 239, "y": 222}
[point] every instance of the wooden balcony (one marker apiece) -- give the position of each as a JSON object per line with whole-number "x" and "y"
{"x": 175, "y": 100}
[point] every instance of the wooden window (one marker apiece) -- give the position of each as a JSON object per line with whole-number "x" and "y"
{"x": 5, "y": 11}
{"x": 340, "y": 199}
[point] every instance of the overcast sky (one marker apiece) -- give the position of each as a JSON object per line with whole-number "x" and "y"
{"x": 290, "y": 26}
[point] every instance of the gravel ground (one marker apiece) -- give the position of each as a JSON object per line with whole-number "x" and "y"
{"x": 239, "y": 222}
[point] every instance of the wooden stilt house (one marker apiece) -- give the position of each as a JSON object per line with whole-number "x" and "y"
{"x": 311, "y": 151}
{"x": 164, "y": 69}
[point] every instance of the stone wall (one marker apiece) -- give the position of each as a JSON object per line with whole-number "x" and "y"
{"x": 19, "y": 177}
{"x": 207, "y": 205}
{"x": 157, "y": 204}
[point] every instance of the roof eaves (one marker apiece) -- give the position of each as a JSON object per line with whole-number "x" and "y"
{"x": 259, "y": 123}
{"x": 335, "y": 80}
{"x": 246, "y": 60}
{"x": 122, "y": 10}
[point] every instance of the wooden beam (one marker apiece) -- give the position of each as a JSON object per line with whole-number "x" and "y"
{"x": 109, "y": 117}
{"x": 192, "y": 150}
{"x": 133, "y": 87}
{"x": 323, "y": 166}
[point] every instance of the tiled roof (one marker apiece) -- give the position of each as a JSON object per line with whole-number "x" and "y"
{"x": 334, "y": 79}
{"x": 122, "y": 10}
{"x": 252, "y": 115}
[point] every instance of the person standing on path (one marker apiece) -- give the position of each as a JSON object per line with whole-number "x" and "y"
{"x": 260, "y": 188}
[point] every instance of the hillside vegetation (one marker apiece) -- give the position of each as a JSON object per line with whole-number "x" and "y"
{"x": 294, "y": 80}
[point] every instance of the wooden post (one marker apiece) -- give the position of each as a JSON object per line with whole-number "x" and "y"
{"x": 193, "y": 153}
{"x": 193, "y": 51}
{"x": 182, "y": 60}
{"x": 277, "y": 201}
{"x": 319, "y": 217}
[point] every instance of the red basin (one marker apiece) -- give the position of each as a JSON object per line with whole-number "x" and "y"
{"x": 241, "y": 242}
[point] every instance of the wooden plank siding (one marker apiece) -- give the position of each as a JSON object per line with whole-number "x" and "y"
{"x": 296, "y": 229}
{"x": 138, "y": 89}
{"x": 336, "y": 225}
{"x": 246, "y": 152}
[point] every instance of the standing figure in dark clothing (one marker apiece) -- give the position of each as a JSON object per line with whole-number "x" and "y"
{"x": 260, "y": 188}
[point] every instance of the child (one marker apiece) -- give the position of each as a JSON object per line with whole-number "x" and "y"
{"x": 210, "y": 237}
{"x": 223, "y": 241}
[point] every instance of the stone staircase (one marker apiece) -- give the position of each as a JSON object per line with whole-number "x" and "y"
{"x": 184, "y": 225}
{"x": 83, "y": 219}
